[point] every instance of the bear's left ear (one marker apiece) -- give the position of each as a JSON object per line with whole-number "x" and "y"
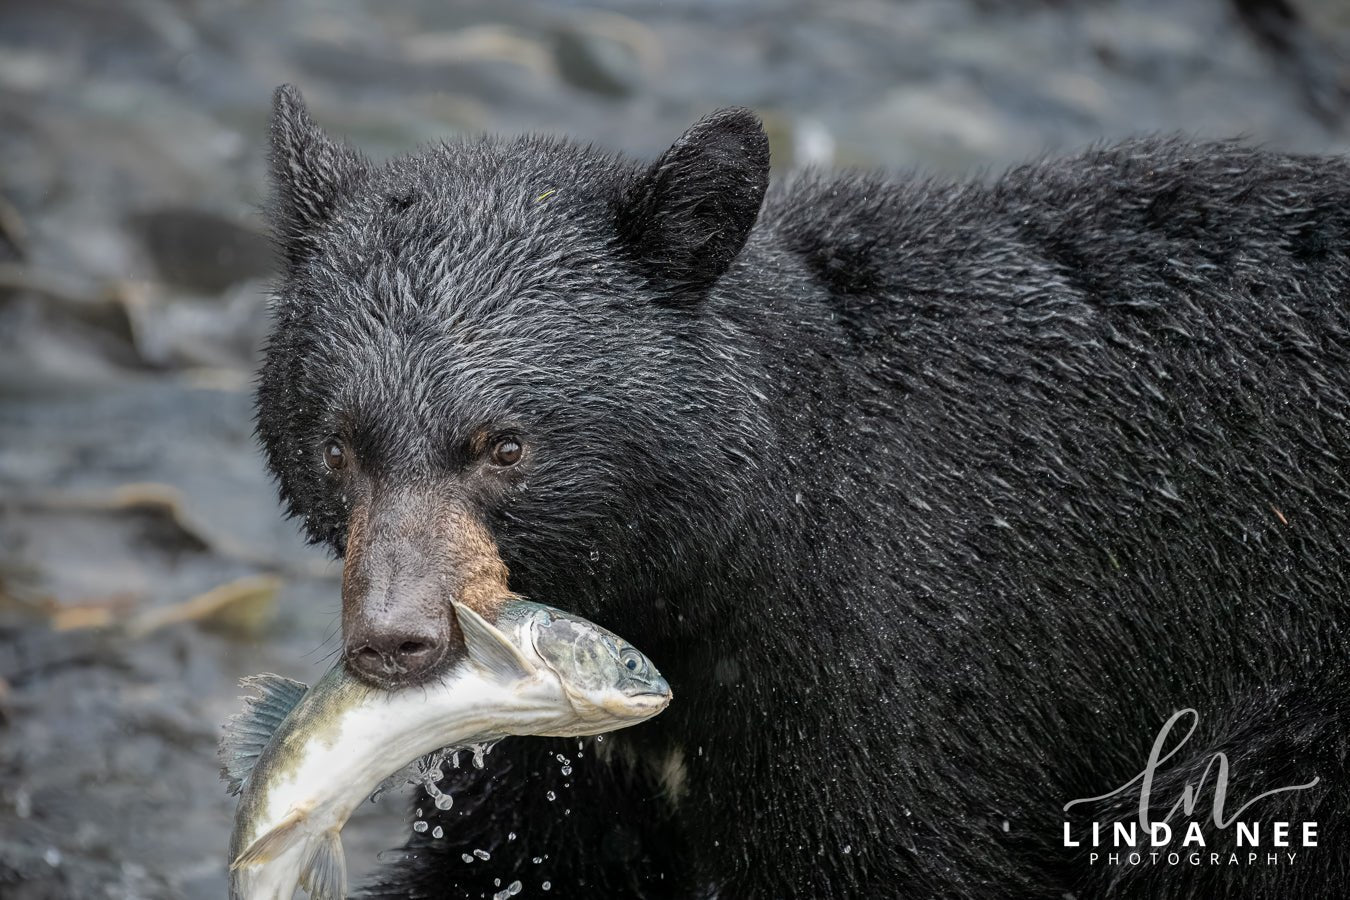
{"x": 687, "y": 217}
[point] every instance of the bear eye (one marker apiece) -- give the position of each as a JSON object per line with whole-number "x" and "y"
{"x": 334, "y": 456}
{"x": 506, "y": 452}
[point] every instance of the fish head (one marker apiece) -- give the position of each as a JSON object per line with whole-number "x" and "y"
{"x": 609, "y": 682}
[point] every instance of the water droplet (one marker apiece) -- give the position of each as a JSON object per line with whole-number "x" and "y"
{"x": 466, "y": 857}
{"x": 551, "y": 795}
{"x": 480, "y": 751}
{"x": 537, "y": 860}
{"x": 418, "y": 814}
{"x": 567, "y": 770}
{"x": 438, "y": 832}
{"x": 444, "y": 802}
{"x": 848, "y": 848}
{"x": 496, "y": 882}
{"x": 595, "y": 556}
{"x": 562, "y": 759}
{"x": 547, "y": 885}
{"x": 510, "y": 835}
{"x": 419, "y": 826}
{"x": 482, "y": 854}
{"x": 52, "y": 857}
{"x": 599, "y": 738}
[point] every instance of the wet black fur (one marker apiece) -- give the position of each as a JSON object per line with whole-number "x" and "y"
{"x": 933, "y": 500}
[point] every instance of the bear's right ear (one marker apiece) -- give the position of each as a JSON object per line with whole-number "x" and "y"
{"x": 687, "y": 217}
{"x": 309, "y": 172}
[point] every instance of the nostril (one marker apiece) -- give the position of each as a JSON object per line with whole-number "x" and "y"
{"x": 367, "y": 657}
{"x": 394, "y": 657}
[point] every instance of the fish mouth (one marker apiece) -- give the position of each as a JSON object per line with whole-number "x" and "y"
{"x": 651, "y": 690}
{"x": 645, "y": 704}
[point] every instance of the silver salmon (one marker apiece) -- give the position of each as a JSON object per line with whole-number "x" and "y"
{"x": 304, "y": 758}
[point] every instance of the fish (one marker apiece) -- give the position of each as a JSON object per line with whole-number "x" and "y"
{"x": 302, "y": 759}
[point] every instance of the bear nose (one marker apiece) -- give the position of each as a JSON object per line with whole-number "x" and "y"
{"x": 389, "y": 657}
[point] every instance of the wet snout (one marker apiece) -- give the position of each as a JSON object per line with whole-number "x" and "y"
{"x": 410, "y": 554}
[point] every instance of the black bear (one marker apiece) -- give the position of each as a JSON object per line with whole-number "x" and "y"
{"x": 934, "y": 500}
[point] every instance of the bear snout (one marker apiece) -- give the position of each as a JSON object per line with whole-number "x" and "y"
{"x": 410, "y": 554}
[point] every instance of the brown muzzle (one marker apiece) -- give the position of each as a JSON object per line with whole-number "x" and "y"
{"x": 410, "y": 552}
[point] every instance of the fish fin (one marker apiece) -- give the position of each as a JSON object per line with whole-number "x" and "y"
{"x": 270, "y": 845}
{"x": 491, "y": 649}
{"x": 248, "y": 732}
{"x": 325, "y": 872}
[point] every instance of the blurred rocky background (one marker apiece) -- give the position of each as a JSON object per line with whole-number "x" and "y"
{"x": 144, "y": 565}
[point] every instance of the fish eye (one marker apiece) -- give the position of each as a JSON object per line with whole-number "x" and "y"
{"x": 630, "y": 658}
{"x": 334, "y": 455}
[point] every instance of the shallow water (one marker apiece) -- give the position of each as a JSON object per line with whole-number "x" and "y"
{"x": 132, "y": 284}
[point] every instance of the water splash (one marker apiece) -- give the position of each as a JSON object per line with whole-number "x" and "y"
{"x": 480, "y": 751}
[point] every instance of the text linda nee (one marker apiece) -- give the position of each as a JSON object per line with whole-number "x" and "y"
{"x": 1249, "y": 832}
